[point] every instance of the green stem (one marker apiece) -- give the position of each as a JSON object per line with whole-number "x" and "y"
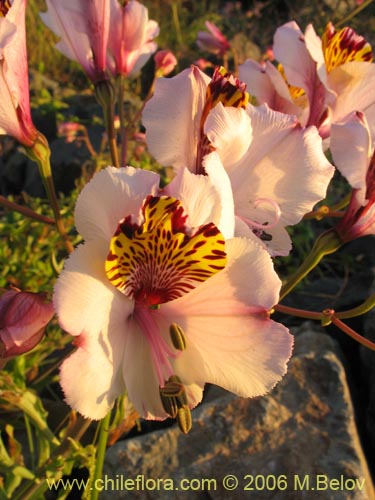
{"x": 33, "y": 490}
{"x": 40, "y": 153}
{"x": 124, "y": 138}
{"x": 105, "y": 95}
{"x": 299, "y": 313}
{"x": 326, "y": 243}
{"x": 356, "y": 11}
{"x": 365, "y": 307}
{"x": 176, "y": 21}
{"x": 100, "y": 454}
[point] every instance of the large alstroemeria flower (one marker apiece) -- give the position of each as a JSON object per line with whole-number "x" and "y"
{"x": 321, "y": 80}
{"x": 160, "y": 302}
{"x": 15, "y": 115}
{"x": 277, "y": 169}
{"x": 131, "y": 41}
{"x": 83, "y": 27}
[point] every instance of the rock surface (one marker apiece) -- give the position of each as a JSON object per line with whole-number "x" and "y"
{"x": 302, "y": 435}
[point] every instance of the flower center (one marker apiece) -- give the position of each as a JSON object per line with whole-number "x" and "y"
{"x": 228, "y": 90}
{"x": 161, "y": 258}
{"x": 5, "y": 5}
{"x": 343, "y": 46}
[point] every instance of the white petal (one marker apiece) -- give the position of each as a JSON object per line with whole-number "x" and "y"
{"x": 83, "y": 296}
{"x": 354, "y": 84}
{"x": 245, "y": 355}
{"x": 91, "y": 378}
{"x": 229, "y": 292}
{"x": 177, "y": 104}
{"x": 229, "y": 131}
{"x": 111, "y": 195}
{"x": 198, "y": 196}
{"x": 351, "y": 151}
{"x": 284, "y": 163}
{"x": 220, "y": 179}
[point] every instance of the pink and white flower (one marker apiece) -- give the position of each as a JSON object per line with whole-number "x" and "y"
{"x": 131, "y": 42}
{"x": 154, "y": 262}
{"x": 165, "y": 62}
{"x": 15, "y": 114}
{"x": 277, "y": 169}
{"x": 321, "y": 80}
{"x": 83, "y": 28}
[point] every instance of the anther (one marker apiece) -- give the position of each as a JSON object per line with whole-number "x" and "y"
{"x": 184, "y": 419}
{"x": 177, "y": 337}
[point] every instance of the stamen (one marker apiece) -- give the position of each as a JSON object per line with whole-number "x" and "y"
{"x": 177, "y": 337}
{"x": 174, "y": 400}
{"x": 184, "y": 419}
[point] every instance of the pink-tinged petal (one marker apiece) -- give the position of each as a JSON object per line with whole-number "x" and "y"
{"x": 220, "y": 179}
{"x": 15, "y": 115}
{"x": 285, "y": 164}
{"x": 198, "y": 197}
{"x": 177, "y": 104}
{"x": 229, "y": 131}
{"x": 351, "y": 151}
{"x": 314, "y": 46}
{"x": 111, "y": 195}
{"x": 228, "y": 292}
{"x": 83, "y": 28}
{"x": 354, "y": 84}
{"x": 141, "y": 56}
{"x": 91, "y": 378}
{"x": 84, "y": 299}
{"x": 290, "y": 49}
{"x": 249, "y": 361}
{"x": 230, "y": 339}
{"x": 142, "y": 385}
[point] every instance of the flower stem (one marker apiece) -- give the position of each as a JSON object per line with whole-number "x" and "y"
{"x": 100, "y": 454}
{"x": 105, "y": 95}
{"x": 353, "y": 334}
{"x": 35, "y": 488}
{"x": 40, "y": 153}
{"x": 26, "y": 211}
{"x": 356, "y": 11}
{"x": 326, "y": 243}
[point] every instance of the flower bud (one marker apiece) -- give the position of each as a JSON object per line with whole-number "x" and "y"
{"x": 165, "y": 63}
{"x": 23, "y": 318}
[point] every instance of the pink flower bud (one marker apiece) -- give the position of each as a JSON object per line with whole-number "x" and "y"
{"x": 165, "y": 62}
{"x": 214, "y": 41}
{"x": 23, "y": 318}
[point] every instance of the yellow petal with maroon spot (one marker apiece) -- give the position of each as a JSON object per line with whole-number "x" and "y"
{"x": 344, "y": 46}
{"x": 162, "y": 259}
{"x": 4, "y": 7}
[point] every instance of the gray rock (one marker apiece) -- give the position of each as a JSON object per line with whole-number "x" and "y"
{"x": 302, "y": 435}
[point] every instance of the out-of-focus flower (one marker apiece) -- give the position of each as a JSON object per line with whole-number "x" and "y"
{"x": 165, "y": 63}
{"x": 131, "y": 42}
{"x": 213, "y": 41}
{"x": 70, "y": 130}
{"x": 83, "y": 27}
{"x": 23, "y": 319}
{"x": 357, "y": 164}
{"x": 15, "y": 115}
{"x": 160, "y": 303}
{"x": 203, "y": 64}
{"x": 321, "y": 80}
{"x": 277, "y": 169}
